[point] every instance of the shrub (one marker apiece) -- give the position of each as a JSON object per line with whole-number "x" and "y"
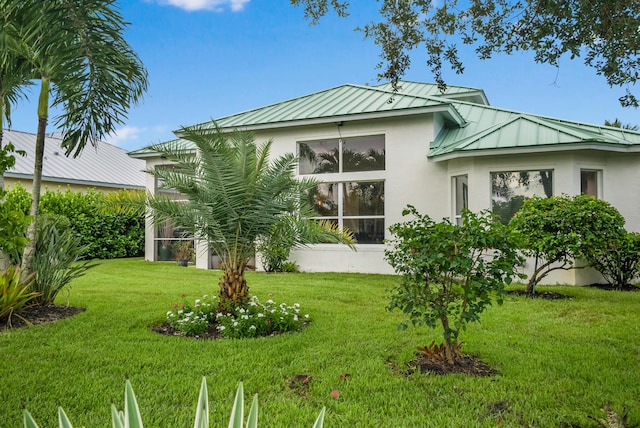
{"x": 13, "y": 224}
{"x": 57, "y": 259}
{"x": 15, "y": 294}
{"x": 558, "y": 230}
{"x": 619, "y": 260}
{"x": 130, "y": 417}
{"x": 450, "y": 274}
{"x": 290, "y": 266}
{"x": 256, "y": 320}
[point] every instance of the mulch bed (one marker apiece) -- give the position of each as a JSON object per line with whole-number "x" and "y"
{"x": 168, "y": 330}
{"x": 547, "y": 295}
{"x": 40, "y": 315}
{"x": 465, "y": 364}
{"x": 609, "y": 287}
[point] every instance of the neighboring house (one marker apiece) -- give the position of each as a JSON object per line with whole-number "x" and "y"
{"x": 104, "y": 168}
{"x": 375, "y": 151}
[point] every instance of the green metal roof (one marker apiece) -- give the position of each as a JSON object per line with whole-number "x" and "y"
{"x": 420, "y": 89}
{"x": 471, "y": 128}
{"x": 347, "y": 102}
{"x": 490, "y": 130}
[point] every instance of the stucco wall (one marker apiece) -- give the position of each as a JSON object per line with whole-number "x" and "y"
{"x": 411, "y": 178}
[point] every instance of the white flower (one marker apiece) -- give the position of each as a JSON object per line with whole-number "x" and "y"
{"x": 296, "y": 305}
{"x": 197, "y": 301}
{"x": 306, "y": 315}
{"x": 271, "y": 302}
{"x": 169, "y": 313}
{"x": 260, "y": 314}
{"x": 295, "y": 318}
{"x": 245, "y": 317}
{"x": 253, "y": 327}
{"x": 241, "y": 310}
{"x": 235, "y": 323}
{"x": 180, "y": 312}
{"x": 221, "y": 327}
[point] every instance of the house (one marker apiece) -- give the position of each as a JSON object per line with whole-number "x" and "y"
{"x": 375, "y": 150}
{"x": 105, "y": 167}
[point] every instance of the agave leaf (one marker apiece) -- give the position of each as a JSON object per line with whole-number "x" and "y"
{"x": 320, "y": 420}
{"x": 202, "y": 409}
{"x": 132, "y": 418}
{"x": 117, "y": 417}
{"x": 63, "y": 420}
{"x": 29, "y": 422}
{"x": 237, "y": 413}
{"x": 252, "y": 419}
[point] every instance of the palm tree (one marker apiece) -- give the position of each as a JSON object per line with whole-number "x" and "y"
{"x": 618, "y": 124}
{"x": 84, "y": 65}
{"x": 232, "y": 195}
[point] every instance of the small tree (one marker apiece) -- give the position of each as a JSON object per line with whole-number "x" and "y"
{"x": 619, "y": 261}
{"x": 450, "y": 274}
{"x": 558, "y": 230}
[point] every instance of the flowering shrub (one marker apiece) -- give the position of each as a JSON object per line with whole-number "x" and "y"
{"x": 257, "y": 319}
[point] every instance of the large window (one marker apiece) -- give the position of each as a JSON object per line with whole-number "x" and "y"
{"x": 342, "y": 155}
{"x": 168, "y": 236}
{"x": 357, "y": 206}
{"x": 510, "y": 189}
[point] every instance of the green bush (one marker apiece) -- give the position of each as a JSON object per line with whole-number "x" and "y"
{"x": 256, "y": 320}
{"x": 15, "y": 294}
{"x": 558, "y": 230}
{"x": 450, "y": 274}
{"x": 619, "y": 260}
{"x": 106, "y": 231}
{"x": 57, "y": 259}
{"x": 130, "y": 417}
{"x": 13, "y": 224}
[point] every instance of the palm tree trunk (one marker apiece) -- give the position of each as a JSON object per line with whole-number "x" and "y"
{"x": 43, "y": 117}
{"x": 4, "y": 257}
{"x": 234, "y": 291}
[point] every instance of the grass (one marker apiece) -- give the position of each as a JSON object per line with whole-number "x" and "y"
{"x": 559, "y": 361}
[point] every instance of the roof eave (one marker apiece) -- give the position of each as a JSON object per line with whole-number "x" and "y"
{"x": 536, "y": 149}
{"x": 87, "y": 183}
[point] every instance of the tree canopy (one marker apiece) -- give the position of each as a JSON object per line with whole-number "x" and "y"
{"x": 604, "y": 33}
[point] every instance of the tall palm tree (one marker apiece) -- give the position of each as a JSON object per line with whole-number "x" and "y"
{"x": 232, "y": 194}
{"x": 76, "y": 50}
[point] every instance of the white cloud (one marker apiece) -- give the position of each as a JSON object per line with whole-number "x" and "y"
{"x": 125, "y": 136}
{"x": 215, "y": 5}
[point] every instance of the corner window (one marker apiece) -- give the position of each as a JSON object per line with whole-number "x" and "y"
{"x": 510, "y": 189}
{"x": 460, "y": 197}
{"x": 589, "y": 182}
{"x": 342, "y": 155}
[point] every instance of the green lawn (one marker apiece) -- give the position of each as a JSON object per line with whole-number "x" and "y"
{"x": 559, "y": 361}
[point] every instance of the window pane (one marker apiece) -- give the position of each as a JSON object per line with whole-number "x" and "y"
{"x": 323, "y": 198}
{"x": 363, "y": 154}
{"x": 589, "y": 182}
{"x": 319, "y": 157}
{"x": 510, "y": 189}
{"x": 461, "y": 196}
{"x": 366, "y": 230}
{"x": 363, "y": 198}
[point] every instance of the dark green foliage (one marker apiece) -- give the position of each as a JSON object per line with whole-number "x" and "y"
{"x": 450, "y": 274}
{"x": 603, "y": 32}
{"x": 106, "y": 231}
{"x": 560, "y": 229}
{"x": 57, "y": 258}
{"x": 619, "y": 260}
{"x": 13, "y": 223}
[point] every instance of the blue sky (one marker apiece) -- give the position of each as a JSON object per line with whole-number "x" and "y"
{"x": 211, "y": 58}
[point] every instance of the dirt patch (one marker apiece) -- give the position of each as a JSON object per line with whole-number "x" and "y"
{"x": 465, "y": 364}
{"x": 40, "y": 315}
{"x": 546, "y": 295}
{"x": 300, "y": 384}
